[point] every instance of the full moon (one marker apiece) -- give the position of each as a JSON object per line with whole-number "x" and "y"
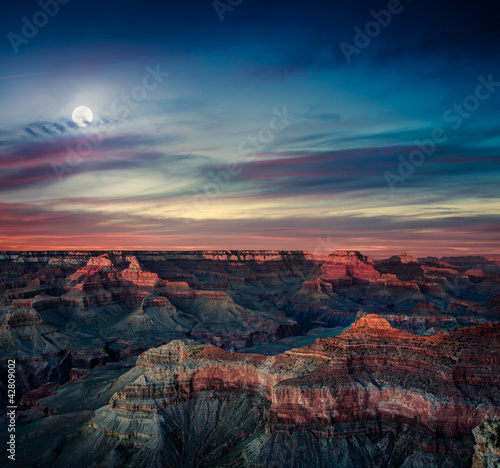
{"x": 82, "y": 116}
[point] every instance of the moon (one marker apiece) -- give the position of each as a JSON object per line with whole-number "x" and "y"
{"x": 82, "y": 116}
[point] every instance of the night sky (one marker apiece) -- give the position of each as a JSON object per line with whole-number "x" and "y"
{"x": 251, "y": 125}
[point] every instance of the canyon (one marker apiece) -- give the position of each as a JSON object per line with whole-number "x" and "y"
{"x": 251, "y": 358}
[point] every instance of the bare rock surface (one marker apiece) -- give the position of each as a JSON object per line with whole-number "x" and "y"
{"x": 271, "y": 332}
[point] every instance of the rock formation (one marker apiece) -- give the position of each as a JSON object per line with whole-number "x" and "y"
{"x": 373, "y": 395}
{"x": 370, "y": 380}
{"x": 487, "y": 448}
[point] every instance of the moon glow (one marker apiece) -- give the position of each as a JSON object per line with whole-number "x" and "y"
{"x": 82, "y": 116}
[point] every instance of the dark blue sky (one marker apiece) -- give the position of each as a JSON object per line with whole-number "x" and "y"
{"x": 286, "y": 125}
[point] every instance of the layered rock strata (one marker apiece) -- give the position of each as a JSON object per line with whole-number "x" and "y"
{"x": 370, "y": 379}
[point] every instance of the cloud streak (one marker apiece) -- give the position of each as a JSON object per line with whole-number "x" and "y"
{"x": 140, "y": 181}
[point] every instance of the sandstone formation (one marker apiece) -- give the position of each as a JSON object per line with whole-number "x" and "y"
{"x": 487, "y": 448}
{"x": 370, "y": 381}
{"x": 375, "y": 394}
{"x": 120, "y": 303}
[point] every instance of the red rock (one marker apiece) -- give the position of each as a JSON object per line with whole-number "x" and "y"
{"x": 32, "y": 397}
{"x": 475, "y": 273}
{"x": 402, "y": 258}
{"x": 444, "y": 384}
{"x": 487, "y": 448}
{"x": 78, "y": 374}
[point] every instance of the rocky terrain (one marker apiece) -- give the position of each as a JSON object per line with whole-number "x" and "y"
{"x": 487, "y": 436}
{"x": 259, "y": 349}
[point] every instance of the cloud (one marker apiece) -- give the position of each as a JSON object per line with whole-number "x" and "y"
{"x": 27, "y": 226}
{"x": 39, "y": 161}
{"x": 324, "y": 174}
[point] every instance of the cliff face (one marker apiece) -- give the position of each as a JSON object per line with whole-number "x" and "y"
{"x": 374, "y": 395}
{"x": 347, "y": 265}
{"x": 383, "y": 373}
{"x": 121, "y": 303}
{"x": 485, "y": 263}
{"x": 487, "y": 448}
{"x": 372, "y": 379}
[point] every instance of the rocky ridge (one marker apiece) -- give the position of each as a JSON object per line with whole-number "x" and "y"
{"x": 65, "y": 314}
{"x": 372, "y": 379}
{"x": 487, "y": 448}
